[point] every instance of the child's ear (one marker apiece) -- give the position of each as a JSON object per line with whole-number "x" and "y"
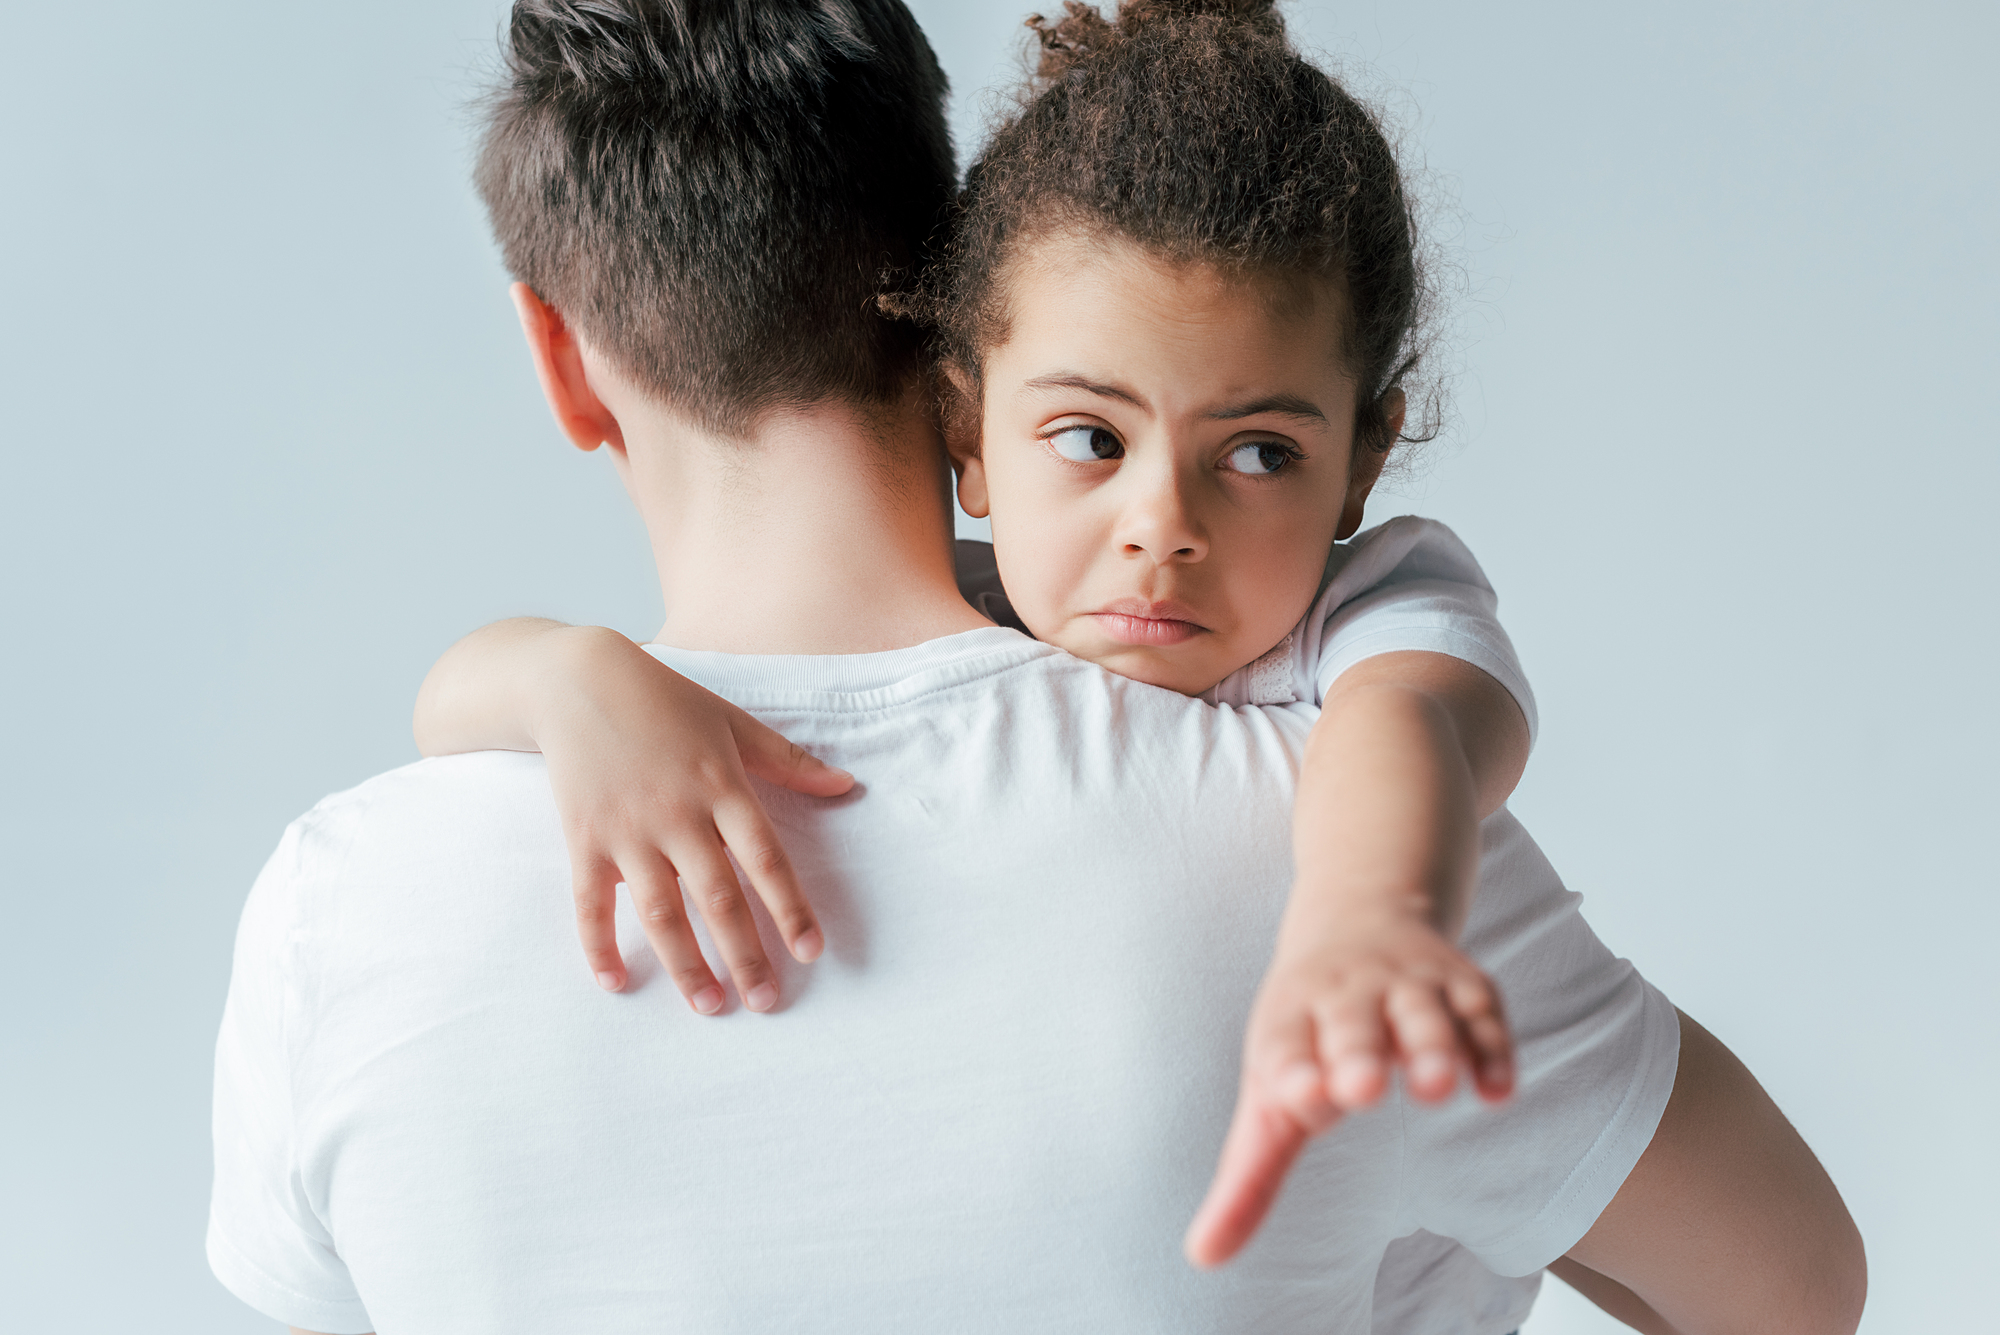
{"x": 960, "y": 415}
{"x": 559, "y": 366}
{"x": 1364, "y": 469}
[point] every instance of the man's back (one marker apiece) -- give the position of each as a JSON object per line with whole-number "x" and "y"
{"x": 992, "y": 1104}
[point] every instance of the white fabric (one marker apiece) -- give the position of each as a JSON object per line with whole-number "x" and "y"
{"x": 1406, "y": 584}
{"x": 991, "y": 1106}
{"x": 1428, "y": 1285}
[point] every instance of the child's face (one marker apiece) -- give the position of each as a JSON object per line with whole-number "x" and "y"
{"x": 1166, "y": 453}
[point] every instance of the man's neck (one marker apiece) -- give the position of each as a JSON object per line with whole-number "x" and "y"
{"x": 828, "y": 531}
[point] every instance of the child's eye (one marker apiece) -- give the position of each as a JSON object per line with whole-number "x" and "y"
{"x": 1086, "y": 444}
{"x": 1263, "y": 456}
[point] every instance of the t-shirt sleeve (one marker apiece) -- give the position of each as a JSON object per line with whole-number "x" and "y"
{"x": 1409, "y": 584}
{"x": 266, "y": 1243}
{"x": 1597, "y": 1048}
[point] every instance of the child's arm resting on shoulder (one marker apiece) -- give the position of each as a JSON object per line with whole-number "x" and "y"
{"x": 651, "y": 777}
{"x": 1411, "y": 751}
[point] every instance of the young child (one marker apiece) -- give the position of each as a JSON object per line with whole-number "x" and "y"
{"x": 1174, "y": 327}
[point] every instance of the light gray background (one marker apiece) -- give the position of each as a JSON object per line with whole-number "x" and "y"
{"x": 1724, "y": 443}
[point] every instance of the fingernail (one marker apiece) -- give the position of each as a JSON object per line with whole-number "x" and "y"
{"x": 1430, "y": 1068}
{"x": 1299, "y": 1080}
{"x": 709, "y": 1000}
{"x": 807, "y": 948}
{"x": 609, "y": 981}
{"x": 761, "y": 997}
{"x": 1360, "y": 1067}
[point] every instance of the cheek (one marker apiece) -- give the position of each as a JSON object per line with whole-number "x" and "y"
{"x": 1043, "y": 537}
{"x": 1040, "y": 559}
{"x": 1274, "y": 566}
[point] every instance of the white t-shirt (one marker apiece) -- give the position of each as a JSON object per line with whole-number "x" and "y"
{"x": 993, "y": 1104}
{"x": 1407, "y": 584}
{"x": 1428, "y": 1285}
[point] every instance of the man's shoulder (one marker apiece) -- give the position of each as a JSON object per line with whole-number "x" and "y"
{"x": 471, "y": 781}
{"x": 447, "y": 814}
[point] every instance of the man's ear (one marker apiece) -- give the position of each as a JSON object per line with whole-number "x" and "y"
{"x": 1364, "y": 469}
{"x": 961, "y": 438}
{"x": 559, "y": 366}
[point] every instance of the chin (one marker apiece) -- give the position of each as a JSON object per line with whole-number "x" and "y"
{"x": 1152, "y": 667}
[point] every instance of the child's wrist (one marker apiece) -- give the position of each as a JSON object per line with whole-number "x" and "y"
{"x": 1348, "y": 898}
{"x": 563, "y": 659}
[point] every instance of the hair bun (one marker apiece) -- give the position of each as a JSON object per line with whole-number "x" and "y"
{"x": 1084, "y": 31}
{"x": 1068, "y": 42}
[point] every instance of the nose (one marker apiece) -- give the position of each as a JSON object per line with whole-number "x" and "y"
{"x": 1158, "y": 523}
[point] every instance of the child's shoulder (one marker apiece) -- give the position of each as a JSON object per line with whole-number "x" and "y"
{"x": 1407, "y": 584}
{"x": 1400, "y": 550}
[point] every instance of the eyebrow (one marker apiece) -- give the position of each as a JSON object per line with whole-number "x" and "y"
{"x": 1071, "y": 380}
{"x": 1277, "y": 405}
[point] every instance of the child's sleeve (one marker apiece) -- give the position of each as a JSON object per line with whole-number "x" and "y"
{"x": 266, "y": 1243}
{"x": 1409, "y": 584}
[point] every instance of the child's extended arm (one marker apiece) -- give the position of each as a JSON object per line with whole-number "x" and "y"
{"x": 650, "y": 774}
{"x": 1410, "y": 752}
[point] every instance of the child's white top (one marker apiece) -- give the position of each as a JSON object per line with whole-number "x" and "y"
{"x": 992, "y": 1105}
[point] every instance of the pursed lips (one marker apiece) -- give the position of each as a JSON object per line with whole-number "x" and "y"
{"x": 1144, "y": 622}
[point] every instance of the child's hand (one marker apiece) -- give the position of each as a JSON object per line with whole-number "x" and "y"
{"x": 651, "y": 776}
{"x": 1342, "y": 1004}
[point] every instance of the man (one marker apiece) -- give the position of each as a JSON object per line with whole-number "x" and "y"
{"x": 972, "y": 1115}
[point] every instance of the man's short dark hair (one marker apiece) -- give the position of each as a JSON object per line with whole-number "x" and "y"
{"x": 714, "y": 192}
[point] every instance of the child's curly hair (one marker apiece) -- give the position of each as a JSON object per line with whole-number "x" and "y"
{"x": 1196, "y": 129}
